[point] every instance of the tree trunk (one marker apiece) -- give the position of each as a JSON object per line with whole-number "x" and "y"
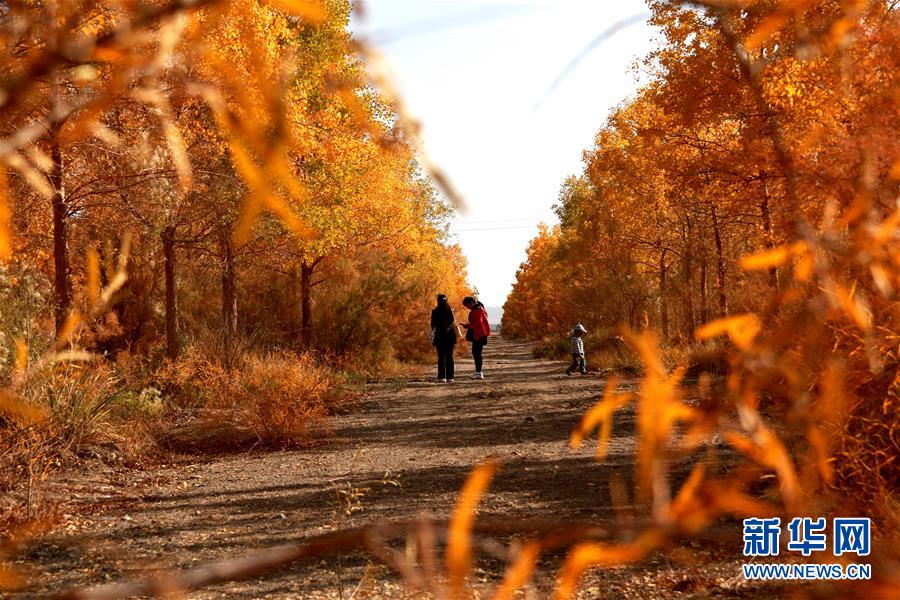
{"x": 720, "y": 263}
{"x": 62, "y": 301}
{"x": 306, "y": 271}
{"x": 663, "y": 306}
{"x": 689, "y": 285}
{"x": 767, "y": 233}
{"x": 704, "y": 311}
{"x": 294, "y": 317}
{"x": 229, "y": 287}
{"x": 168, "y": 242}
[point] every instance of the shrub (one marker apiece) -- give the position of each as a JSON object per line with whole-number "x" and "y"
{"x": 80, "y": 400}
{"x": 268, "y": 399}
{"x": 709, "y": 357}
{"x": 73, "y": 411}
{"x": 552, "y": 347}
{"x": 609, "y": 353}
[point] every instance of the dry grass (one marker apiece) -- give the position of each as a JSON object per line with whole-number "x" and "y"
{"x": 612, "y": 354}
{"x": 123, "y": 412}
{"x": 867, "y": 445}
{"x": 271, "y": 399}
{"x": 78, "y": 413}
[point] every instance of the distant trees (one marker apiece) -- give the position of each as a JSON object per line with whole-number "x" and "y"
{"x": 240, "y": 147}
{"x": 713, "y": 160}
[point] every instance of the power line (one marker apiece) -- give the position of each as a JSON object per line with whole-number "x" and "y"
{"x": 509, "y": 228}
{"x": 587, "y": 50}
{"x": 501, "y": 220}
{"x": 447, "y": 23}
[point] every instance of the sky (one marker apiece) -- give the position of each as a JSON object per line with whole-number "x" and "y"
{"x": 476, "y": 74}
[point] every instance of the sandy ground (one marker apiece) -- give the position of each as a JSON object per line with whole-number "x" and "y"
{"x": 407, "y": 451}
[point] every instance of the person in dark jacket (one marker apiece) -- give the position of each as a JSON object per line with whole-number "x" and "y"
{"x": 443, "y": 336}
{"x": 576, "y": 345}
{"x": 478, "y": 331}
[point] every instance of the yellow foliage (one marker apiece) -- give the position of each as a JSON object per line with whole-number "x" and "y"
{"x": 774, "y": 257}
{"x": 22, "y": 412}
{"x": 313, "y": 11}
{"x": 519, "y": 572}
{"x": 740, "y": 329}
{"x": 93, "y": 275}
{"x": 766, "y": 449}
{"x": 601, "y": 415}
{"x": 586, "y": 555}
{"x": 5, "y": 213}
{"x": 459, "y": 544}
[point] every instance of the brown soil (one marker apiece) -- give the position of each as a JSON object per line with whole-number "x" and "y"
{"x": 407, "y": 451}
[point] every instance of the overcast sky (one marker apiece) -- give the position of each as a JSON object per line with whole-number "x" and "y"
{"x": 475, "y": 74}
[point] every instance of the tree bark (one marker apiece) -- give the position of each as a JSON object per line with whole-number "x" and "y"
{"x": 229, "y": 287}
{"x": 704, "y": 311}
{"x": 168, "y": 242}
{"x": 768, "y": 237}
{"x": 306, "y": 272}
{"x": 62, "y": 289}
{"x": 689, "y": 284}
{"x": 720, "y": 263}
{"x": 663, "y": 306}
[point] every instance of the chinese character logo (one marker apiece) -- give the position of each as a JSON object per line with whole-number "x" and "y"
{"x": 807, "y": 535}
{"x": 761, "y": 536}
{"x": 852, "y": 536}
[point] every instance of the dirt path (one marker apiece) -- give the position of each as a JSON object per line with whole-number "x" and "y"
{"x": 424, "y": 438}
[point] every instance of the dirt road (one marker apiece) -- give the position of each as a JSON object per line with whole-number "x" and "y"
{"x": 406, "y": 451}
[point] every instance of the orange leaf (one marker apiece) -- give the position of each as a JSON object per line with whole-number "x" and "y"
{"x": 312, "y": 10}
{"x": 647, "y": 347}
{"x": 882, "y": 278}
{"x": 773, "y": 257}
{"x": 519, "y": 572}
{"x": 887, "y": 229}
{"x": 281, "y": 210}
{"x": 600, "y": 414}
{"x": 659, "y": 407}
{"x": 765, "y": 260}
{"x": 93, "y": 275}
{"x": 767, "y": 28}
{"x": 21, "y": 356}
{"x": 856, "y": 209}
{"x": 805, "y": 267}
{"x": 37, "y": 180}
{"x": 71, "y": 356}
{"x": 895, "y": 170}
{"x": 5, "y": 214}
{"x": 730, "y": 500}
{"x": 854, "y": 307}
{"x": 768, "y": 451}
{"x": 839, "y": 30}
{"x": 20, "y": 410}
{"x": 9, "y": 579}
{"x": 829, "y": 414}
{"x": 741, "y": 329}
{"x": 687, "y": 509}
{"x": 590, "y": 554}
{"x": 68, "y": 328}
{"x": 459, "y": 548}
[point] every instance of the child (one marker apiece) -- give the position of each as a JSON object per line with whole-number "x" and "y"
{"x": 577, "y": 346}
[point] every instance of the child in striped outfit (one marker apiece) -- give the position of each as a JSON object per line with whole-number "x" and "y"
{"x": 576, "y": 345}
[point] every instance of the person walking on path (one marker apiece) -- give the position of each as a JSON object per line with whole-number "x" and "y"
{"x": 477, "y": 331}
{"x": 576, "y": 345}
{"x": 443, "y": 336}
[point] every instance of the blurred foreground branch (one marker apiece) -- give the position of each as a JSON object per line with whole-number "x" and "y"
{"x": 422, "y": 531}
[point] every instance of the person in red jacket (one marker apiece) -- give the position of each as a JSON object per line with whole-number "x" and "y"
{"x": 478, "y": 330}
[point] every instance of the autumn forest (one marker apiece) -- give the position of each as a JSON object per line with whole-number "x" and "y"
{"x": 221, "y": 238}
